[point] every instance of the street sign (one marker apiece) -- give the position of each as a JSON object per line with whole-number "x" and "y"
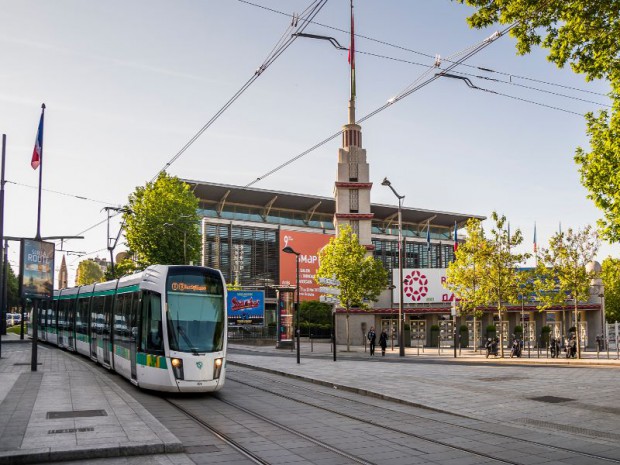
{"x": 329, "y": 290}
{"x": 329, "y": 281}
{"x": 328, "y": 299}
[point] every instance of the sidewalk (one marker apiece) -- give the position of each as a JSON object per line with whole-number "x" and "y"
{"x": 433, "y": 354}
{"x": 67, "y": 411}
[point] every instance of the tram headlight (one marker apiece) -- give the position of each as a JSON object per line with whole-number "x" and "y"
{"x": 217, "y": 367}
{"x": 177, "y": 367}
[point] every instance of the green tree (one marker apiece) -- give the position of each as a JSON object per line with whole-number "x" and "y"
{"x": 500, "y": 283}
{"x": 611, "y": 283}
{"x": 13, "y": 299}
{"x": 123, "y": 268}
{"x": 162, "y": 223}
{"x": 582, "y": 34}
{"x": 362, "y": 277}
{"x": 88, "y": 272}
{"x": 315, "y": 312}
{"x": 465, "y": 273}
{"x": 564, "y": 266}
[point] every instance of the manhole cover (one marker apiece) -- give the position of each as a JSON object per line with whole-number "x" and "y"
{"x": 552, "y": 399}
{"x": 77, "y": 414}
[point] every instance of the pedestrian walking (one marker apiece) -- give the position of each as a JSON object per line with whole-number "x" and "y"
{"x": 383, "y": 342}
{"x": 372, "y": 337}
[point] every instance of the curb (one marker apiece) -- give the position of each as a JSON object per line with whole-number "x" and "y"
{"x": 32, "y": 456}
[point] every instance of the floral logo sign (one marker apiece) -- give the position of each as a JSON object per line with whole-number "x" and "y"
{"x": 415, "y": 285}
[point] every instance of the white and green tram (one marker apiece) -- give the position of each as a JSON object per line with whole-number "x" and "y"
{"x": 163, "y": 328}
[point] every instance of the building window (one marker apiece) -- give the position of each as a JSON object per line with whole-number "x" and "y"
{"x": 353, "y": 171}
{"x": 354, "y": 200}
{"x": 355, "y": 227}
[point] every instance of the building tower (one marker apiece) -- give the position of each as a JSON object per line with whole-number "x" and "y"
{"x": 352, "y": 188}
{"x": 63, "y": 275}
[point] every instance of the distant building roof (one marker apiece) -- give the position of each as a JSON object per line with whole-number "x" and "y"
{"x": 214, "y": 192}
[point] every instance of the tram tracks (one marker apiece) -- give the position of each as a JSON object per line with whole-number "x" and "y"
{"x": 247, "y": 451}
{"x": 526, "y": 444}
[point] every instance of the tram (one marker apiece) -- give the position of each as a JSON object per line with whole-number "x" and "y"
{"x": 163, "y": 328}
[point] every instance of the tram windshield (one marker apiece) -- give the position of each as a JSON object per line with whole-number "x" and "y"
{"x": 195, "y": 311}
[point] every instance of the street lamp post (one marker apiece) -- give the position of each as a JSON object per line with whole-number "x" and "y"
{"x": 401, "y": 339}
{"x": 289, "y": 249}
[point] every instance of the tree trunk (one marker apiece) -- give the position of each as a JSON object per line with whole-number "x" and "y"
{"x": 577, "y": 335}
{"x": 348, "y": 339}
{"x": 501, "y": 332}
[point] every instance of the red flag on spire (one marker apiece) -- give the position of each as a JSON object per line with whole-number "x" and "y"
{"x": 352, "y": 54}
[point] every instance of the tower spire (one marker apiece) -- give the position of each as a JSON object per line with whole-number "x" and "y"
{"x": 352, "y": 63}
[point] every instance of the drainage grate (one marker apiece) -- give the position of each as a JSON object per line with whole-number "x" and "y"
{"x": 77, "y": 414}
{"x": 70, "y": 430}
{"x": 552, "y": 399}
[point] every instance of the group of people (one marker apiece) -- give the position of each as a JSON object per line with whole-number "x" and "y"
{"x": 372, "y": 337}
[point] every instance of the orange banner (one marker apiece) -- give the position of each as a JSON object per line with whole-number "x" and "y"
{"x": 307, "y": 245}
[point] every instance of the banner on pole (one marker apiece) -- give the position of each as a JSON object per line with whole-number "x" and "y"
{"x": 37, "y": 265}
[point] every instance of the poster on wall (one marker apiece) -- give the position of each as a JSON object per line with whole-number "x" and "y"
{"x": 246, "y": 307}
{"x": 422, "y": 285}
{"x": 37, "y": 263}
{"x": 307, "y": 245}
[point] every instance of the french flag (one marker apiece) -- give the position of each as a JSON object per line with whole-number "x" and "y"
{"x": 456, "y": 239}
{"x": 37, "y": 153}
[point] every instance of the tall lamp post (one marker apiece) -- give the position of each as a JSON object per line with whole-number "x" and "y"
{"x": 401, "y": 339}
{"x": 289, "y": 249}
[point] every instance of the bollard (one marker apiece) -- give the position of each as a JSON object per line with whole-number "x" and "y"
{"x": 311, "y": 343}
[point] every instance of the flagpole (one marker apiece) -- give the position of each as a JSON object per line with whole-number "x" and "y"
{"x": 38, "y": 236}
{"x": 2, "y": 252}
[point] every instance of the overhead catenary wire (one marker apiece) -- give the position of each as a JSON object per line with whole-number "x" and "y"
{"x": 299, "y": 23}
{"x": 79, "y": 197}
{"x": 428, "y": 55}
{"x": 415, "y": 86}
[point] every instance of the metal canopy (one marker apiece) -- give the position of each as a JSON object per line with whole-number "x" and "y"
{"x": 213, "y": 193}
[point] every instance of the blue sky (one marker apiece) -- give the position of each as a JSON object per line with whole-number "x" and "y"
{"x": 127, "y": 84}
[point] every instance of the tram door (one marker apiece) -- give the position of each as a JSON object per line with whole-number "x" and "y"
{"x": 107, "y": 328}
{"x": 96, "y": 321}
{"x": 133, "y": 325}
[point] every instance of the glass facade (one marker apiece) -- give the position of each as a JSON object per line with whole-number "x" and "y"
{"x": 417, "y": 255}
{"x": 245, "y": 255}
{"x": 249, "y": 255}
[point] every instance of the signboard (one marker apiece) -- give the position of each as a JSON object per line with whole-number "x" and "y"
{"x": 246, "y": 307}
{"x": 328, "y": 299}
{"x": 37, "y": 263}
{"x": 307, "y": 245}
{"x": 422, "y": 285}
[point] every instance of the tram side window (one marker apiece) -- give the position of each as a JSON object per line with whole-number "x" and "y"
{"x": 152, "y": 332}
{"x": 81, "y": 316}
{"x": 133, "y": 320}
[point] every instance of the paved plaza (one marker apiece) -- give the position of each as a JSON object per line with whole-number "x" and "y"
{"x": 52, "y": 414}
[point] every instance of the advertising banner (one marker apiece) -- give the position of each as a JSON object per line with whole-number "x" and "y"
{"x": 307, "y": 245}
{"x": 37, "y": 263}
{"x": 422, "y": 285}
{"x": 246, "y": 307}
